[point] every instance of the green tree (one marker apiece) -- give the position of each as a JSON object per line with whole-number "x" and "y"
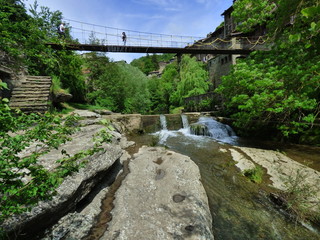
{"x": 148, "y": 64}
{"x": 163, "y": 89}
{"x": 299, "y": 18}
{"x": 194, "y": 78}
{"x": 24, "y": 38}
{"x": 117, "y": 86}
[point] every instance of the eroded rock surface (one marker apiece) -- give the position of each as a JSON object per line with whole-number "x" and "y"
{"x": 161, "y": 198}
{"x": 283, "y": 170}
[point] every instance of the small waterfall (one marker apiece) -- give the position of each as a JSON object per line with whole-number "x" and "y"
{"x": 163, "y": 122}
{"x": 207, "y": 126}
{"x": 163, "y": 133}
{"x": 185, "y": 122}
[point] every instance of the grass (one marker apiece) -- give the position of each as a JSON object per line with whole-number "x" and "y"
{"x": 56, "y": 86}
{"x": 254, "y": 174}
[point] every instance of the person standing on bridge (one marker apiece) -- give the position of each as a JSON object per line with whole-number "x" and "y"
{"x": 61, "y": 30}
{"x": 124, "y": 38}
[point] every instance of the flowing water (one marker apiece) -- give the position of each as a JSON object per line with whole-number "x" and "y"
{"x": 240, "y": 209}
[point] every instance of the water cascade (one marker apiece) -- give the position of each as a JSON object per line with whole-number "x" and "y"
{"x": 185, "y": 122}
{"x": 163, "y": 134}
{"x": 163, "y": 122}
{"x": 207, "y": 126}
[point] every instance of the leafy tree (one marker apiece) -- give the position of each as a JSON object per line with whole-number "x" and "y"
{"x": 24, "y": 38}
{"x": 299, "y": 18}
{"x": 176, "y": 83}
{"x": 148, "y": 64}
{"x": 13, "y": 26}
{"x": 280, "y": 88}
{"x": 117, "y": 86}
{"x": 194, "y": 78}
{"x": 162, "y": 89}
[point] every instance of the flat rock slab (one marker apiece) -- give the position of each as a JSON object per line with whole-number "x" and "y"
{"x": 284, "y": 172}
{"x": 161, "y": 198}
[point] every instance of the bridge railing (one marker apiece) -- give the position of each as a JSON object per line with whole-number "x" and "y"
{"x": 87, "y": 33}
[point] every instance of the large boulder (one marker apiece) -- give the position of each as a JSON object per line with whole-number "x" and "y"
{"x": 161, "y": 198}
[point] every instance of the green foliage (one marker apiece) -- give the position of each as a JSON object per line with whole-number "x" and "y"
{"x": 23, "y": 37}
{"x": 254, "y": 174}
{"x": 148, "y": 64}
{"x": 194, "y": 78}
{"x": 277, "y": 89}
{"x": 302, "y": 17}
{"x": 56, "y": 86}
{"x": 23, "y": 181}
{"x": 117, "y": 86}
{"x": 163, "y": 90}
{"x": 177, "y": 110}
{"x": 176, "y": 83}
{"x": 252, "y": 13}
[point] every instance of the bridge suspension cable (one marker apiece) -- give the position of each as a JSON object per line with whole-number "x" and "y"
{"x": 87, "y": 33}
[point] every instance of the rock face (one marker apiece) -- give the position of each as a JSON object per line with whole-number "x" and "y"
{"x": 161, "y": 198}
{"x": 74, "y": 188}
{"x": 61, "y": 97}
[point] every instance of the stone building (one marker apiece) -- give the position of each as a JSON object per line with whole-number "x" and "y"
{"x": 226, "y": 37}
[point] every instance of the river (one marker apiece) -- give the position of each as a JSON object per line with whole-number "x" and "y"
{"x": 240, "y": 209}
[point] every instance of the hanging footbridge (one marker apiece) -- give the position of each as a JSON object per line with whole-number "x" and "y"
{"x": 92, "y": 37}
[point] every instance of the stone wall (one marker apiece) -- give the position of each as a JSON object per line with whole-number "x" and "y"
{"x": 137, "y": 123}
{"x": 10, "y": 73}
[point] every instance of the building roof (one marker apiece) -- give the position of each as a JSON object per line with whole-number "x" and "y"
{"x": 229, "y": 10}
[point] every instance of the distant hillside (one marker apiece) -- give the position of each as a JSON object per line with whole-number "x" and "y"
{"x": 151, "y": 63}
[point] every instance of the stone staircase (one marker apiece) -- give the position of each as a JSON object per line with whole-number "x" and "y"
{"x": 32, "y": 95}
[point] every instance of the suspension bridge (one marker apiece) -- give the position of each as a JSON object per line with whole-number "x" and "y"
{"x": 92, "y": 37}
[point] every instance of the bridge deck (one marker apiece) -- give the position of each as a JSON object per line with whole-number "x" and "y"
{"x": 140, "y": 49}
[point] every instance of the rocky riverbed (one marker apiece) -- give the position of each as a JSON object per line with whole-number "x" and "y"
{"x": 154, "y": 194}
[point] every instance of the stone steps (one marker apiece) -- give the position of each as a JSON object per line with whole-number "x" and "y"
{"x": 32, "y": 95}
{"x": 27, "y": 91}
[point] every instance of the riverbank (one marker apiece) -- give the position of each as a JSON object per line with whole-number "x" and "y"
{"x": 149, "y": 190}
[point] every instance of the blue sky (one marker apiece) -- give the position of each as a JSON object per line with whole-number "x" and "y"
{"x": 176, "y": 17}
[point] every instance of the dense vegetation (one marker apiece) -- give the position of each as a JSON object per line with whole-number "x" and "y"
{"x": 23, "y": 38}
{"x": 119, "y": 87}
{"x": 151, "y": 63}
{"x": 280, "y": 89}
